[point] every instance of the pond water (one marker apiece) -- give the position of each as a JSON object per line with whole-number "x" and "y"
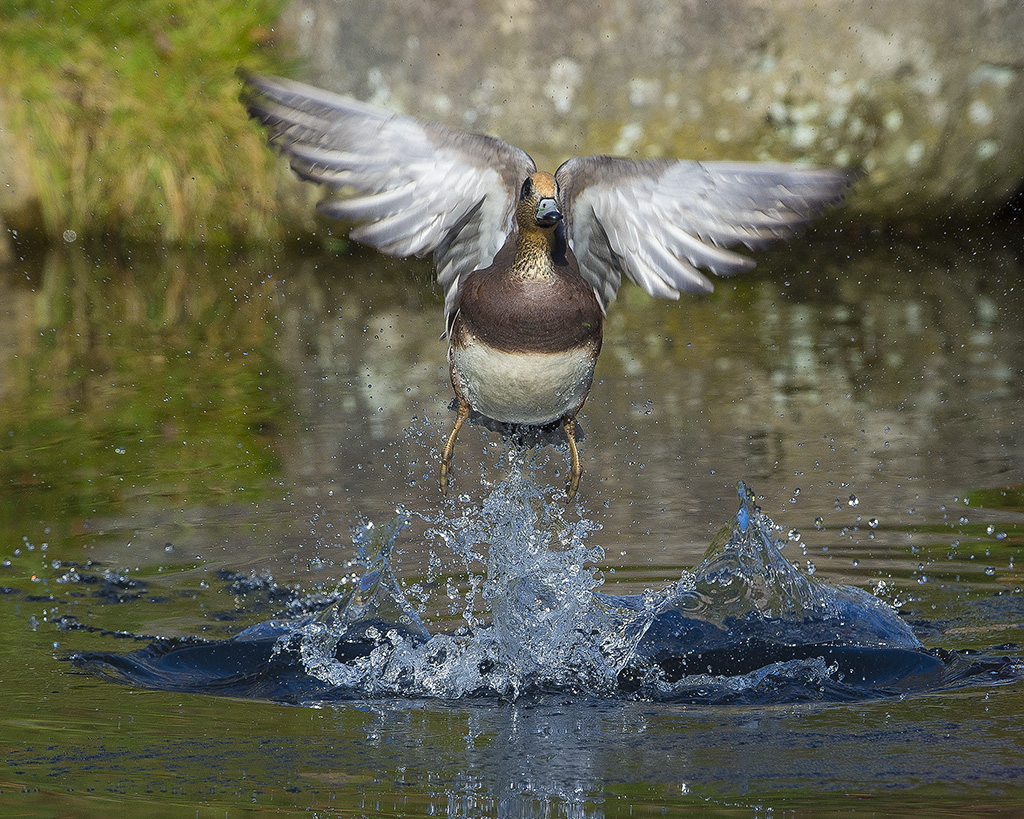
{"x": 197, "y": 444}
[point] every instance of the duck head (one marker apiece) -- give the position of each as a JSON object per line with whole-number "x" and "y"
{"x": 538, "y": 203}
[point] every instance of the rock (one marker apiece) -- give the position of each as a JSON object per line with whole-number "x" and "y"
{"x": 923, "y": 94}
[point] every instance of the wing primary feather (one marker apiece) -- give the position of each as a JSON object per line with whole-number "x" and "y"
{"x": 414, "y": 187}
{"x": 662, "y": 220}
{"x": 410, "y": 186}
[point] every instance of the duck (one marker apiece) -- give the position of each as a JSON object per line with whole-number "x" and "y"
{"x": 530, "y": 261}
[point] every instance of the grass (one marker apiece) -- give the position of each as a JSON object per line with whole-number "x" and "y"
{"x": 128, "y": 116}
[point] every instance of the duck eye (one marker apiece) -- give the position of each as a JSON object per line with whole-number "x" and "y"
{"x": 527, "y": 188}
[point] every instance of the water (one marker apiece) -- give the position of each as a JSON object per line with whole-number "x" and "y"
{"x": 193, "y": 443}
{"x": 745, "y": 626}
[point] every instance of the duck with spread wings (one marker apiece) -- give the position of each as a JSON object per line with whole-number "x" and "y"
{"x": 529, "y": 261}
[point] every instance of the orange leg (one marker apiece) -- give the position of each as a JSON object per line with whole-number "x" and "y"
{"x": 449, "y": 446}
{"x": 576, "y": 471}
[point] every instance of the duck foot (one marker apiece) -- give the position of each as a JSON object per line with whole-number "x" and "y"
{"x": 449, "y": 446}
{"x": 576, "y": 470}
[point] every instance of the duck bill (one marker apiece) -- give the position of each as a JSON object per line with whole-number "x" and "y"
{"x": 548, "y": 214}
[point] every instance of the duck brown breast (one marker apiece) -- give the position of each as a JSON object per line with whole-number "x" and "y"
{"x": 533, "y": 315}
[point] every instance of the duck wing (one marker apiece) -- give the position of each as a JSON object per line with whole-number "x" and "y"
{"x": 413, "y": 187}
{"x": 660, "y": 221}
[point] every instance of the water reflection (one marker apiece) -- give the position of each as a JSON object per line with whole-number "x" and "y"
{"x": 122, "y": 382}
{"x": 885, "y": 386}
{"x": 139, "y": 387}
{"x": 318, "y": 385}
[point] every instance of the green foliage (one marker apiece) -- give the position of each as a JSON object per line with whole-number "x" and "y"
{"x": 129, "y": 115}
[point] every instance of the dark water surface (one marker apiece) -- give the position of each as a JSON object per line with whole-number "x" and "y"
{"x": 186, "y": 441}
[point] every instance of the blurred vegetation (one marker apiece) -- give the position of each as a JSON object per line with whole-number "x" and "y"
{"x": 138, "y": 377}
{"x": 129, "y": 115}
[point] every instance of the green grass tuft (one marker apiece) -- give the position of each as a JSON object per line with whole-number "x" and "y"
{"x": 129, "y": 117}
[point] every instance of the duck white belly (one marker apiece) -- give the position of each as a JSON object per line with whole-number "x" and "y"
{"x": 521, "y": 388}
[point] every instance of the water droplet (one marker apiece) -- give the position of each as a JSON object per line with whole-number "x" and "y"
{"x": 990, "y": 570}
{"x": 856, "y": 563}
{"x": 1000, "y": 535}
{"x": 854, "y": 500}
{"x": 963, "y": 520}
{"x": 794, "y": 535}
{"x": 873, "y": 523}
{"x": 819, "y": 523}
{"x": 990, "y": 529}
{"x": 811, "y": 568}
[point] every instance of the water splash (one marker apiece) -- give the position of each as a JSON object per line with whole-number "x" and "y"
{"x": 744, "y": 578}
{"x": 374, "y": 612}
{"x": 544, "y": 627}
{"x": 744, "y": 625}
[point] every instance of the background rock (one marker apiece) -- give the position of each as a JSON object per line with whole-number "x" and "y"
{"x": 926, "y": 95}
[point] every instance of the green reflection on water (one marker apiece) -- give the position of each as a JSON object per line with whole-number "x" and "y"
{"x": 125, "y": 377}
